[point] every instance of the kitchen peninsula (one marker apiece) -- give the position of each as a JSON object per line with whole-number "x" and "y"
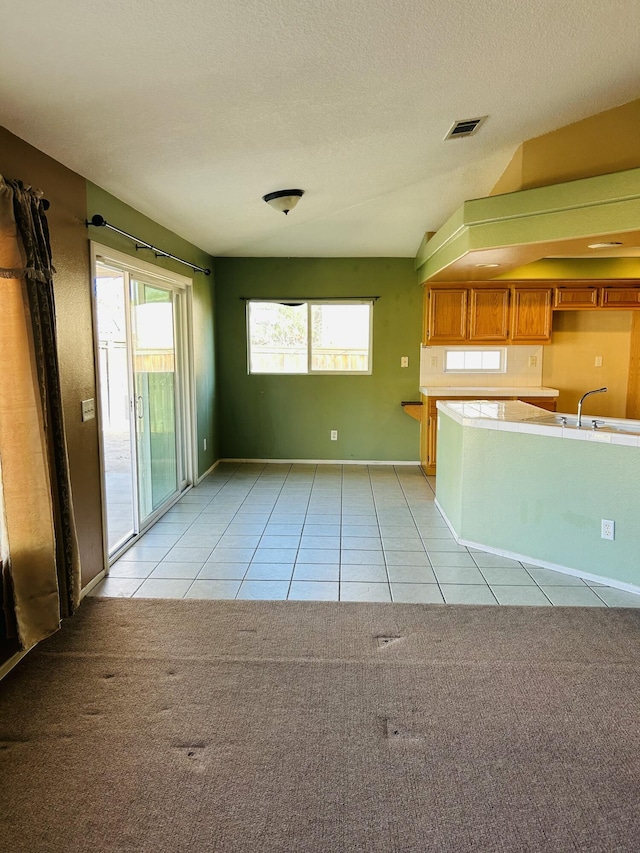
{"x": 510, "y": 484}
{"x": 540, "y": 396}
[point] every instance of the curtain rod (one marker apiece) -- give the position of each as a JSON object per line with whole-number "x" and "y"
{"x": 99, "y": 221}
{"x": 290, "y": 299}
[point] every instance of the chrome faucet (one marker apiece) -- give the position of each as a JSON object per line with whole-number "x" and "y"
{"x": 582, "y": 399}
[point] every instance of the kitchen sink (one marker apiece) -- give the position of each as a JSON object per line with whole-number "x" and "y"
{"x": 604, "y": 424}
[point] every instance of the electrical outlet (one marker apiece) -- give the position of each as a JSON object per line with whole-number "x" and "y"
{"x": 404, "y": 361}
{"x": 598, "y": 361}
{"x": 608, "y": 529}
{"x": 334, "y": 435}
{"x": 533, "y": 360}
{"x": 205, "y": 443}
{"x": 434, "y": 361}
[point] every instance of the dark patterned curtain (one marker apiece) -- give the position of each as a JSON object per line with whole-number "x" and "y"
{"x": 40, "y": 564}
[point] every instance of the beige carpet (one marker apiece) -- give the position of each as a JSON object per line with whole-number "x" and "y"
{"x": 295, "y": 726}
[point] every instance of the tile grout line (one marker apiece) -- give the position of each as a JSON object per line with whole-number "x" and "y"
{"x": 384, "y": 555}
{"x": 235, "y": 514}
{"x": 217, "y": 494}
{"x": 275, "y": 502}
{"x": 444, "y": 601}
{"x": 220, "y": 490}
{"x": 304, "y": 521}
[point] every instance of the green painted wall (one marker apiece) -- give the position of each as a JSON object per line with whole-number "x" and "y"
{"x": 542, "y": 497}
{"x": 127, "y": 219}
{"x": 290, "y": 417}
{"x": 601, "y": 205}
{"x": 449, "y": 478}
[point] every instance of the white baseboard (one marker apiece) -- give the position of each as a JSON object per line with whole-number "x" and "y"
{"x": 92, "y": 583}
{"x": 326, "y": 461}
{"x": 208, "y": 471}
{"x": 543, "y": 564}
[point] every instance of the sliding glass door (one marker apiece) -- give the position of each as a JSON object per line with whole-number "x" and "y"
{"x": 141, "y": 325}
{"x": 154, "y": 377}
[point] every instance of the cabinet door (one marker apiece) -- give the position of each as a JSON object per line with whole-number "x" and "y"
{"x": 424, "y": 435}
{"x": 621, "y": 297}
{"x": 432, "y": 436}
{"x": 531, "y": 315}
{"x": 425, "y": 315}
{"x": 489, "y": 314}
{"x": 447, "y": 316}
{"x": 569, "y": 297}
{"x": 428, "y": 435}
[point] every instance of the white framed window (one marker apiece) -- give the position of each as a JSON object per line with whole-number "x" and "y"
{"x": 310, "y": 336}
{"x": 476, "y": 360}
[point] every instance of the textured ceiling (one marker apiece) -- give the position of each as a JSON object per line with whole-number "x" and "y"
{"x": 191, "y": 111}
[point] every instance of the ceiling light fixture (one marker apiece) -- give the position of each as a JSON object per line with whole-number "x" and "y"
{"x": 284, "y": 200}
{"x": 610, "y": 245}
{"x": 487, "y": 266}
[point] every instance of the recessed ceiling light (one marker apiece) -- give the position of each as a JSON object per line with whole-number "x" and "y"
{"x": 487, "y": 266}
{"x": 610, "y": 245}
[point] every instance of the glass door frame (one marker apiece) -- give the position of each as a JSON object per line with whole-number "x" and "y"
{"x": 186, "y": 437}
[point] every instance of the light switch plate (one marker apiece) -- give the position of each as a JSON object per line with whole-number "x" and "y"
{"x": 404, "y": 361}
{"x": 88, "y": 409}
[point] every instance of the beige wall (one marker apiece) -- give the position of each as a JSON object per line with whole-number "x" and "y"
{"x": 603, "y": 143}
{"x": 67, "y": 193}
{"x": 569, "y": 361}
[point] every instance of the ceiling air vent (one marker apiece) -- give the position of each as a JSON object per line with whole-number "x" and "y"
{"x": 465, "y": 127}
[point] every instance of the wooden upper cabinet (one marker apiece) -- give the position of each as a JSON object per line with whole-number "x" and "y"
{"x": 620, "y": 297}
{"x": 513, "y": 312}
{"x": 594, "y": 294}
{"x": 446, "y": 314}
{"x": 531, "y": 315}
{"x": 572, "y": 297}
{"x": 488, "y": 314}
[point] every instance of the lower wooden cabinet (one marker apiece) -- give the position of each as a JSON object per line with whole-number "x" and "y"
{"x": 548, "y": 403}
{"x": 429, "y": 434}
{"x": 429, "y": 424}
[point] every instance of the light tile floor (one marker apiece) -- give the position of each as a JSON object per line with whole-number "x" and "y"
{"x": 329, "y": 533}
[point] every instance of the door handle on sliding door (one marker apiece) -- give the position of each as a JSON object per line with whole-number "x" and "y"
{"x": 139, "y": 407}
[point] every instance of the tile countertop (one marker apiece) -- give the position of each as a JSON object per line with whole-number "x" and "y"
{"x": 488, "y": 391}
{"x": 515, "y": 416}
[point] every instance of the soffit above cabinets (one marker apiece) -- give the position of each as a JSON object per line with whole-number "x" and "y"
{"x": 519, "y": 228}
